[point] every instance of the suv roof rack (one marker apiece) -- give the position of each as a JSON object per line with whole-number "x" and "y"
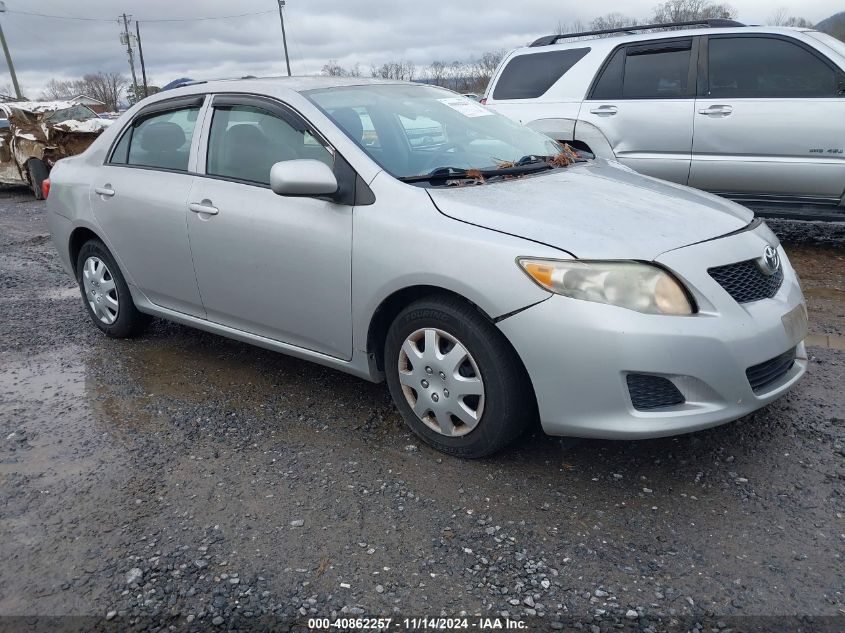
{"x": 714, "y": 24}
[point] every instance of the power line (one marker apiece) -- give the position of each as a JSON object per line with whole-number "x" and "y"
{"x": 86, "y": 19}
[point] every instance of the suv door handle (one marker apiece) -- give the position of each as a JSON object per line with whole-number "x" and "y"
{"x": 204, "y": 207}
{"x": 105, "y": 190}
{"x": 605, "y": 110}
{"x": 716, "y": 110}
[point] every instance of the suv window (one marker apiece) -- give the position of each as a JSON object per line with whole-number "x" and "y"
{"x": 245, "y": 142}
{"x": 529, "y": 76}
{"x": 766, "y": 67}
{"x": 656, "y": 73}
{"x": 161, "y": 140}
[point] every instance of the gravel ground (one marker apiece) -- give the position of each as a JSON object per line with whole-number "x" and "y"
{"x": 185, "y": 481}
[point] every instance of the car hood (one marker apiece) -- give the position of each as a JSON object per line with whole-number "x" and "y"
{"x": 596, "y": 210}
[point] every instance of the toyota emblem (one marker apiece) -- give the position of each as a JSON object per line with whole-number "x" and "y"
{"x": 771, "y": 260}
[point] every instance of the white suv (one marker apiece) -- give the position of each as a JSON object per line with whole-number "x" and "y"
{"x": 756, "y": 114}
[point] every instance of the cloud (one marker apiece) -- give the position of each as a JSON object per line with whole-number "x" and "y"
{"x": 364, "y": 32}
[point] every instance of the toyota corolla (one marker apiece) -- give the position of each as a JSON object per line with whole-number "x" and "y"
{"x": 405, "y": 233}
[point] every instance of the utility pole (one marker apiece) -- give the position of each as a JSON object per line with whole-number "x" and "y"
{"x": 12, "y": 66}
{"x": 126, "y": 38}
{"x": 141, "y": 58}
{"x": 284, "y": 39}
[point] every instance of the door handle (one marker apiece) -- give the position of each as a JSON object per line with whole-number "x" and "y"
{"x": 605, "y": 110}
{"x": 204, "y": 207}
{"x": 716, "y": 110}
{"x": 105, "y": 190}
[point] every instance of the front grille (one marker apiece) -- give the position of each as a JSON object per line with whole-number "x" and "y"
{"x": 745, "y": 282}
{"x": 652, "y": 392}
{"x": 759, "y": 376}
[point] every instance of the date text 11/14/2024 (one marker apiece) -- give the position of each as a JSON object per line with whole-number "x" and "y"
{"x": 416, "y": 624}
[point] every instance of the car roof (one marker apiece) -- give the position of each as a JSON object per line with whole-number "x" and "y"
{"x": 272, "y": 84}
{"x": 608, "y": 42}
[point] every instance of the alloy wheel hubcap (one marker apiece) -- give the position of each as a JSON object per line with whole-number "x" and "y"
{"x": 441, "y": 382}
{"x": 100, "y": 290}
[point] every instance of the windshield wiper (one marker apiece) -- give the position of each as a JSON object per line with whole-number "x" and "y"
{"x": 459, "y": 173}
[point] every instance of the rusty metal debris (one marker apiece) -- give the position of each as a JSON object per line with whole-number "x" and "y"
{"x": 43, "y": 131}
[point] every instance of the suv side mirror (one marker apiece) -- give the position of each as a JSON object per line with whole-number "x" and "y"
{"x": 302, "y": 177}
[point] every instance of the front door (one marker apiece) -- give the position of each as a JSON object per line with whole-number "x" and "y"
{"x": 279, "y": 267}
{"x": 769, "y": 121}
{"x": 643, "y": 104}
{"x": 140, "y": 198}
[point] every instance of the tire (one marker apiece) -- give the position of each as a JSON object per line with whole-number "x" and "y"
{"x": 496, "y": 418}
{"x": 37, "y": 174}
{"x": 105, "y": 293}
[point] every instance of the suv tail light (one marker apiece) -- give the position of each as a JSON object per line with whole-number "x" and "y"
{"x": 45, "y": 188}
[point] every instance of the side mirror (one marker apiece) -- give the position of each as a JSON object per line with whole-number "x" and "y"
{"x": 302, "y": 177}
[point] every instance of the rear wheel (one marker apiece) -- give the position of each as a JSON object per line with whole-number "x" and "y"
{"x": 37, "y": 174}
{"x": 456, "y": 379}
{"x": 106, "y": 294}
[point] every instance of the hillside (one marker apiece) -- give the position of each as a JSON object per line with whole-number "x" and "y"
{"x": 835, "y": 25}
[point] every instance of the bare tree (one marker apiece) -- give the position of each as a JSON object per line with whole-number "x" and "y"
{"x": 436, "y": 72}
{"x": 400, "y": 70}
{"x": 482, "y": 69}
{"x": 576, "y": 26}
{"x": 7, "y": 92}
{"x": 56, "y": 90}
{"x": 613, "y": 20}
{"x": 688, "y": 10}
{"x": 105, "y": 87}
{"x": 781, "y": 17}
{"x": 333, "y": 69}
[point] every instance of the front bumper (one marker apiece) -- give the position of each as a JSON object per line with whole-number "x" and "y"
{"x": 578, "y": 353}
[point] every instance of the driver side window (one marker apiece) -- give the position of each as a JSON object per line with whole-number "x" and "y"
{"x": 246, "y": 141}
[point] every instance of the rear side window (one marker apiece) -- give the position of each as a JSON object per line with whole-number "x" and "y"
{"x": 766, "y": 67}
{"x": 658, "y": 70}
{"x": 609, "y": 85}
{"x": 656, "y": 73}
{"x": 530, "y": 76}
{"x": 161, "y": 141}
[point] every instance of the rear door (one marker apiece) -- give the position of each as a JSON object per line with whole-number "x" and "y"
{"x": 643, "y": 101}
{"x": 769, "y": 119}
{"x": 140, "y": 198}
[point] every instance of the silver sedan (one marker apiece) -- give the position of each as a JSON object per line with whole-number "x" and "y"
{"x": 405, "y": 233}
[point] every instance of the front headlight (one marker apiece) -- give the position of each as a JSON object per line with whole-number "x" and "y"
{"x": 631, "y": 285}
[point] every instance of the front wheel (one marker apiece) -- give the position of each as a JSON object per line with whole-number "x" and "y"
{"x": 455, "y": 378}
{"x": 106, "y": 294}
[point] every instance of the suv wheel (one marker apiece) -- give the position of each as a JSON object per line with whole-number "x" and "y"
{"x": 455, "y": 378}
{"x": 106, "y": 294}
{"x": 37, "y": 174}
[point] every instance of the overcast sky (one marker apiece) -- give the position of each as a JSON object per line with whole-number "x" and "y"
{"x": 371, "y": 31}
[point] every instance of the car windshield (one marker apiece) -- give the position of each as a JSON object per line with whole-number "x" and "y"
{"x": 416, "y": 130}
{"x": 75, "y": 113}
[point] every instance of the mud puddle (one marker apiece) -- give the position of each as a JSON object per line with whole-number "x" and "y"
{"x": 822, "y": 273}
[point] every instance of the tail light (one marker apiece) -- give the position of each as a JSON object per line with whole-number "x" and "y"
{"x": 45, "y": 188}
{"x": 483, "y": 101}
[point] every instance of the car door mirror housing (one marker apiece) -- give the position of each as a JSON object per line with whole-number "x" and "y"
{"x": 302, "y": 177}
